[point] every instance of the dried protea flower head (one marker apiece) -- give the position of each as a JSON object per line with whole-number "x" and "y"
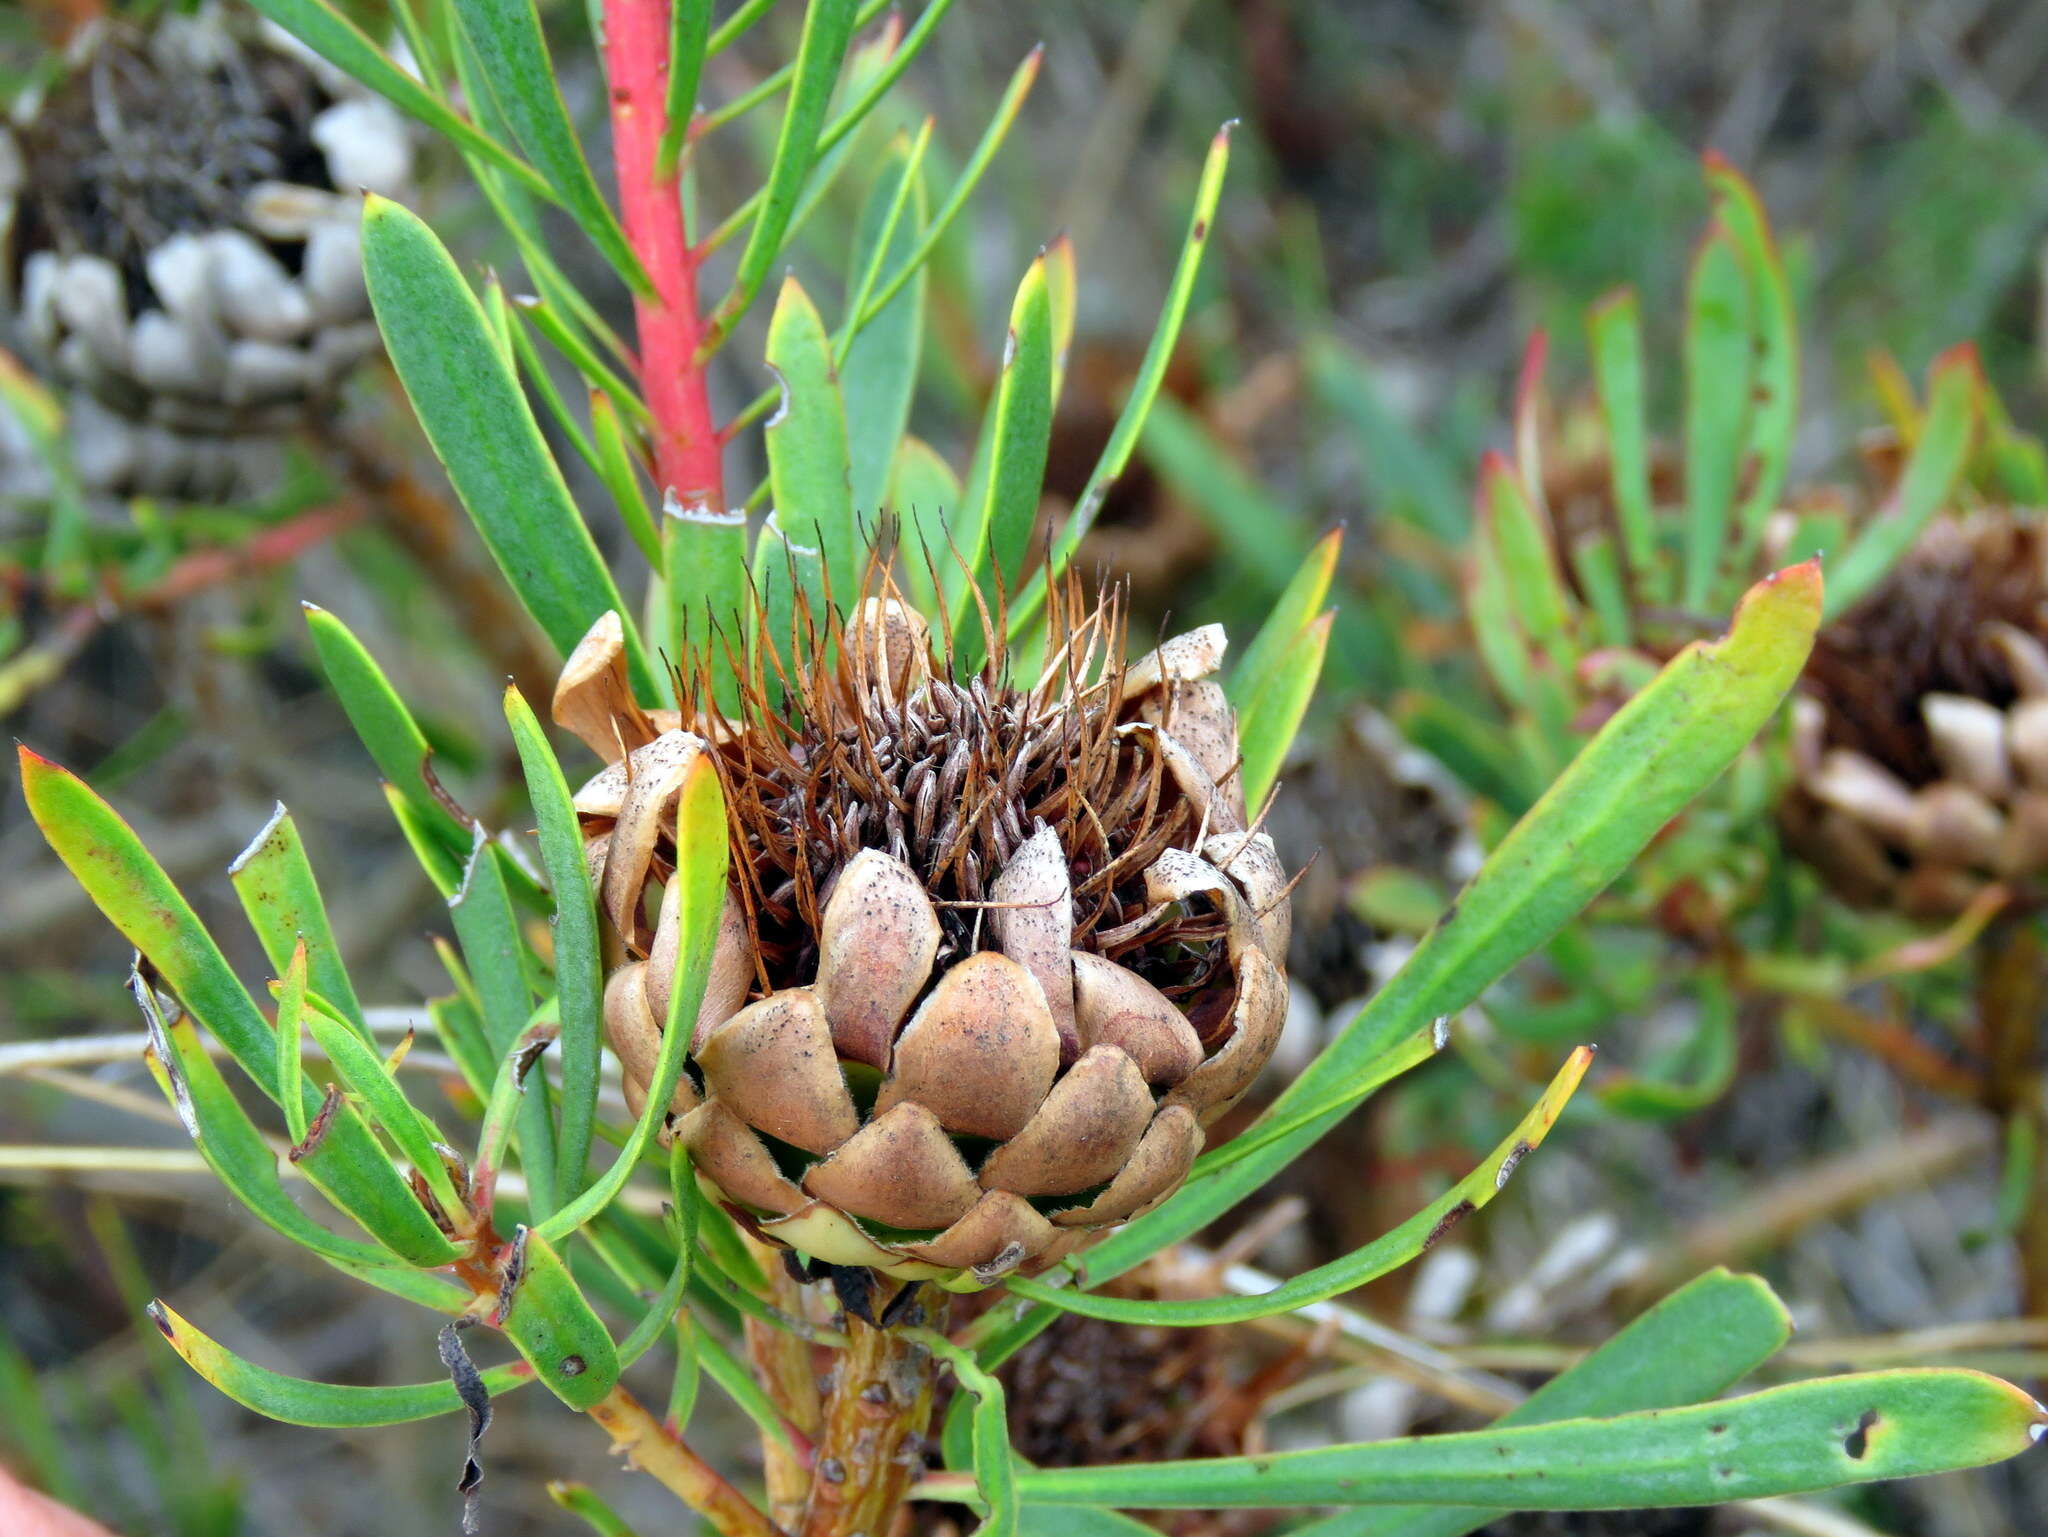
{"x": 1921, "y": 731}
{"x": 995, "y": 949}
{"x": 178, "y": 243}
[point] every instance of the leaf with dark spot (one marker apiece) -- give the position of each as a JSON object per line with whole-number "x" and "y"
{"x": 316, "y": 1130}
{"x": 1857, "y": 1442}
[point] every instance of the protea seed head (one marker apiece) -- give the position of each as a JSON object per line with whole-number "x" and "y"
{"x": 1921, "y": 729}
{"x": 995, "y": 950}
{"x": 178, "y": 243}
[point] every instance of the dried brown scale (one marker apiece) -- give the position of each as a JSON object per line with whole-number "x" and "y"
{"x": 924, "y": 860}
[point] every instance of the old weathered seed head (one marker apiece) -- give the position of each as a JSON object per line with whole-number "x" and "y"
{"x": 178, "y": 243}
{"x": 1922, "y": 725}
{"x": 995, "y": 950}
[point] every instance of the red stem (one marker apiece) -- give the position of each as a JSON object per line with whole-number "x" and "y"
{"x": 686, "y": 442}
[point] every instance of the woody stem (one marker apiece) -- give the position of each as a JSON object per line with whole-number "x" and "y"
{"x": 652, "y": 1449}
{"x": 870, "y": 1448}
{"x": 686, "y": 441}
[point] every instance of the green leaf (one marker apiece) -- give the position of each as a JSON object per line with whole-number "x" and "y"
{"x": 275, "y": 881}
{"x": 828, "y": 28}
{"x": 1361, "y": 1266}
{"x": 1023, "y": 430}
{"x": 926, "y": 495}
{"x": 386, "y": 728}
{"x": 1267, "y": 727}
{"x": 1655, "y": 754}
{"x": 1699, "y": 1341}
{"x": 493, "y": 948}
{"x": 789, "y": 575}
{"x": 615, "y": 468}
{"x": 551, "y": 1324}
{"x": 1797, "y": 1439}
{"x": 373, "y": 1084}
{"x": 579, "y": 979}
{"x": 1599, "y": 577}
{"x": 1616, "y": 329}
{"x": 291, "y": 1034}
{"x": 878, "y": 370}
{"x": 995, "y": 1471}
{"x": 131, "y": 889}
{"x": 245, "y": 1165}
{"x": 1265, "y": 540}
{"x": 1719, "y": 364}
{"x": 700, "y": 866}
{"x": 1296, "y": 606}
{"x": 1131, "y": 421}
{"x": 683, "y": 1193}
{"x": 689, "y": 33}
{"x": 507, "y": 37}
{"x": 483, "y": 431}
{"x": 323, "y": 28}
{"x": 807, "y": 444}
{"x": 1955, "y": 388}
{"x": 704, "y": 552}
{"x": 1774, "y": 413}
{"x": 1523, "y": 546}
{"x": 324, "y": 1405}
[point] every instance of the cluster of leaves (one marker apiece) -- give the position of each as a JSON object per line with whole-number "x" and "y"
{"x": 443, "y": 1221}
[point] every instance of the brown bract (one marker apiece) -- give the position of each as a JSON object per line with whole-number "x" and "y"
{"x": 994, "y": 951}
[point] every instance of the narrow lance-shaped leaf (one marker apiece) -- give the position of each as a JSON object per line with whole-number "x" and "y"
{"x": 878, "y": 370}
{"x": 1357, "y": 1268}
{"x": 828, "y": 28}
{"x": 324, "y": 1405}
{"x": 615, "y": 467}
{"x": 1023, "y": 427}
{"x": 1659, "y": 750}
{"x": 578, "y": 975}
{"x": 1299, "y": 602}
{"x": 1775, "y": 396}
{"x": 1719, "y": 364}
{"x": 700, "y": 867}
{"x": 127, "y": 885}
{"x": 995, "y": 1470}
{"x": 275, "y": 881}
{"x": 1407, "y": 475}
{"x": 807, "y": 453}
{"x": 1123, "y": 438}
{"x": 1267, "y": 727}
{"x": 1788, "y": 1440}
{"x": 925, "y": 494}
{"x": 1955, "y": 388}
{"x": 689, "y": 33}
{"x": 291, "y": 1035}
{"x": 385, "y": 726}
{"x": 323, "y": 28}
{"x": 1617, "y": 343}
{"x": 704, "y": 553}
{"x": 514, "y": 56}
{"x": 1525, "y": 549}
{"x": 247, "y": 1168}
{"x": 550, "y": 1322}
{"x": 374, "y": 1086}
{"x": 483, "y": 431}
{"x": 1698, "y": 1342}
{"x": 786, "y": 571}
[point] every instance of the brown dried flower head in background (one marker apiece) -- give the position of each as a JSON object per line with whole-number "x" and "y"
{"x": 179, "y": 245}
{"x": 995, "y": 950}
{"x": 1921, "y": 740}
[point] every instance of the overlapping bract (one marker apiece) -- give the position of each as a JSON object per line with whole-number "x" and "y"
{"x": 944, "y": 1087}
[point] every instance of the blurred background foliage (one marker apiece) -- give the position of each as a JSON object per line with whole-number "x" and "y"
{"x": 1416, "y": 188}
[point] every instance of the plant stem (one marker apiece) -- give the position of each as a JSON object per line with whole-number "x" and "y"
{"x": 782, "y": 1365}
{"x": 2011, "y": 1000}
{"x": 655, "y": 1452}
{"x": 875, "y": 1420}
{"x": 686, "y": 441}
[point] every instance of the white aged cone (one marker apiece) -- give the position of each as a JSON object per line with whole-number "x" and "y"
{"x": 992, "y": 957}
{"x": 179, "y": 247}
{"x": 1921, "y": 727}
